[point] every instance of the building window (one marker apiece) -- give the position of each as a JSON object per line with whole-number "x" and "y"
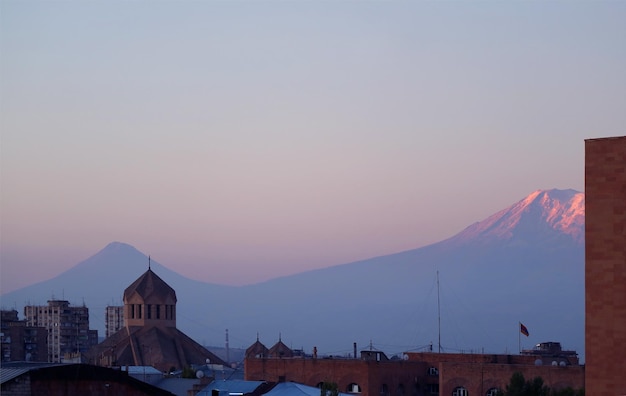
{"x": 400, "y": 390}
{"x": 493, "y": 392}
{"x": 354, "y": 388}
{"x": 433, "y": 371}
{"x": 459, "y": 391}
{"x": 138, "y": 311}
{"x": 384, "y": 390}
{"x": 433, "y": 389}
{"x": 158, "y": 312}
{"x": 132, "y": 311}
{"x": 149, "y": 311}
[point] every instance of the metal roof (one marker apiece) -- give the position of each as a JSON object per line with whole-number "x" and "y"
{"x": 147, "y": 370}
{"x": 7, "y": 374}
{"x": 230, "y": 387}
{"x": 177, "y": 386}
{"x": 11, "y": 370}
{"x": 226, "y": 387}
{"x": 294, "y": 389}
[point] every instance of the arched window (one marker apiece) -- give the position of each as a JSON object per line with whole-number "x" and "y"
{"x": 459, "y": 391}
{"x": 353, "y": 388}
{"x": 493, "y": 392}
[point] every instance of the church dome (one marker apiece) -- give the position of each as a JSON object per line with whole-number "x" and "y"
{"x": 151, "y": 289}
{"x": 149, "y": 301}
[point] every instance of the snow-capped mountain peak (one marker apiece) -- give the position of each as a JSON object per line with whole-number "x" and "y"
{"x": 544, "y": 214}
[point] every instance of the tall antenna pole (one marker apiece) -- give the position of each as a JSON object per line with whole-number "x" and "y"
{"x": 438, "y": 313}
{"x": 228, "y": 349}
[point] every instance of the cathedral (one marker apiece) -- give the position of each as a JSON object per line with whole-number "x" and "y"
{"x": 149, "y": 336}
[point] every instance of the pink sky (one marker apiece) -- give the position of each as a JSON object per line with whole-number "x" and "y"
{"x": 239, "y": 142}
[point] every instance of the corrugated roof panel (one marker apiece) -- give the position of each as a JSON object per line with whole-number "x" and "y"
{"x": 10, "y": 370}
{"x": 226, "y": 387}
{"x": 7, "y": 374}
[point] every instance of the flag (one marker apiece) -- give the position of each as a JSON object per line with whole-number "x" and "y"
{"x": 523, "y": 330}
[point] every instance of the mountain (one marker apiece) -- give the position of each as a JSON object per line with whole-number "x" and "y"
{"x": 524, "y": 263}
{"x": 534, "y": 220}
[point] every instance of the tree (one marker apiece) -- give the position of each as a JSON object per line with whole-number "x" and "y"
{"x": 569, "y": 392}
{"x": 188, "y": 372}
{"x": 329, "y": 389}
{"x": 519, "y": 386}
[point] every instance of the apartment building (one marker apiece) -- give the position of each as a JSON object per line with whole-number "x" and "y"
{"x": 67, "y": 326}
{"x": 19, "y": 342}
{"x": 114, "y": 319}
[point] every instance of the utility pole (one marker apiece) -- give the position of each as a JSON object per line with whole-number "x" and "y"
{"x": 438, "y": 313}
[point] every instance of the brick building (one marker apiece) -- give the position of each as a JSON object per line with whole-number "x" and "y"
{"x": 605, "y": 266}
{"x": 20, "y": 342}
{"x": 424, "y": 373}
{"x": 67, "y": 326}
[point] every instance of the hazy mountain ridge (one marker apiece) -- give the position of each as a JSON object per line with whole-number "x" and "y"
{"x": 523, "y": 263}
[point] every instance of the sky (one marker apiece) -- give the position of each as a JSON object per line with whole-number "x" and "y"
{"x": 235, "y": 142}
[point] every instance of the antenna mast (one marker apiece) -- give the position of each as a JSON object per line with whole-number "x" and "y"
{"x": 228, "y": 349}
{"x": 438, "y": 313}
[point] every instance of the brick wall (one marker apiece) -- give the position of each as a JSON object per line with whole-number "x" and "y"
{"x": 479, "y": 378}
{"x": 436, "y": 358}
{"x": 371, "y": 376}
{"x": 605, "y": 268}
{"x": 413, "y": 376}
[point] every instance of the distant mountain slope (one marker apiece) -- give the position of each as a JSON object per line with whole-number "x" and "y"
{"x": 533, "y": 272}
{"x": 524, "y": 263}
{"x": 100, "y": 280}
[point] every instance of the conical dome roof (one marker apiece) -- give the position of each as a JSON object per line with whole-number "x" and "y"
{"x": 150, "y": 288}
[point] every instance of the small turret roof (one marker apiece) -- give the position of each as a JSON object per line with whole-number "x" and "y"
{"x": 257, "y": 349}
{"x": 280, "y": 350}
